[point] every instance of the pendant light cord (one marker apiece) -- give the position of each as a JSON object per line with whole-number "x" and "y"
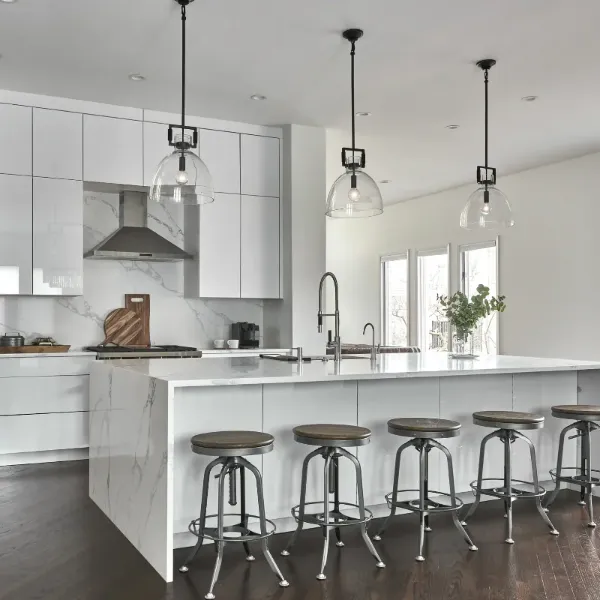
{"x": 486, "y": 122}
{"x": 183, "y": 19}
{"x": 352, "y": 53}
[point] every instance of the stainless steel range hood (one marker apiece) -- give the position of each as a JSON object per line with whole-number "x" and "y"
{"x": 134, "y": 240}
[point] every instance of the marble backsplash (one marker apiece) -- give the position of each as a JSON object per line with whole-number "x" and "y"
{"x": 78, "y": 321}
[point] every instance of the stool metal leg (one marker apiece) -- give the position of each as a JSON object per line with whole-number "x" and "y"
{"x": 325, "y": 525}
{"x": 263, "y": 521}
{"x": 536, "y": 483}
{"x": 586, "y": 442}
{"x": 399, "y": 452}
{"x": 426, "y": 486}
{"x": 205, "y": 483}
{"x": 584, "y": 466}
{"x": 455, "y": 518}
{"x": 249, "y": 556}
{"x": 361, "y": 506}
{"x": 475, "y": 504}
{"x": 220, "y": 519}
{"x": 298, "y": 529}
{"x": 559, "y": 461}
{"x": 336, "y": 496}
{"x": 423, "y": 459}
{"x": 508, "y": 502}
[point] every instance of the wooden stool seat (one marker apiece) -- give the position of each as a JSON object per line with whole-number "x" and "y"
{"x": 232, "y": 443}
{"x": 508, "y": 419}
{"x": 577, "y": 412}
{"x": 424, "y": 428}
{"x": 332, "y": 435}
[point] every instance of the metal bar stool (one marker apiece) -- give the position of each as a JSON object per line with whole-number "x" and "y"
{"x": 230, "y": 447}
{"x": 332, "y": 439}
{"x": 508, "y": 423}
{"x": 424, "y": 432}
{"x": 583, "y": 476}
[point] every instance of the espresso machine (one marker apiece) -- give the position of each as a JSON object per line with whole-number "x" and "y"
{"x": 247, "y": 333}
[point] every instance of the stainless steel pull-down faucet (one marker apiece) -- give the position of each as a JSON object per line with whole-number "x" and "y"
{"x": 336, "y": 315}
{"x": 373, "y": 346}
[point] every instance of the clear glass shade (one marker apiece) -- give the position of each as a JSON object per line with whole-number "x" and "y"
{"x": 191, "y": 184}
{"x": 487, "y": 208}
{"x": 362, "y": 200}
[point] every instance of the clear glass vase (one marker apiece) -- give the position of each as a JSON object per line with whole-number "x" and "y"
{"x": 462, "y": 344}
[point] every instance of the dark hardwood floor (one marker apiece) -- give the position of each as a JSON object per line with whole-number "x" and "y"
{"x": 56, "y": 545}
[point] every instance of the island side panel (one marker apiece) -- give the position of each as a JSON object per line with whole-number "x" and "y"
{"x": 588, "y": 387}
{"x": 200, "y": 410}
{"x": 460, "y": 397}
{"x": 378, "y": 402}
{"x": 130, "y": 449}
{"x": 537, "y": 393}
{"x": 286, "y": 406}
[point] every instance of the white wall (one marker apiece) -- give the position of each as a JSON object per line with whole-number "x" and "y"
{"x": 293, "y": 322}
{"x": 548, "y": 260}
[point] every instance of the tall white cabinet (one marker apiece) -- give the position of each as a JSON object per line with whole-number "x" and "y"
{"x": 236, "y": 238}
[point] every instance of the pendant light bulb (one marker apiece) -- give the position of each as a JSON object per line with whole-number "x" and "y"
{"x": 487, "y": 207}
{"x": 182, "y": 178}
{"x": 354, "y": 193}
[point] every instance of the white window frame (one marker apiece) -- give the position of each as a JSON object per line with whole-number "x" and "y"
{"x": 383, "y": 293}
{"x": 439, "y": 250}
{"x": 462, "y": 249}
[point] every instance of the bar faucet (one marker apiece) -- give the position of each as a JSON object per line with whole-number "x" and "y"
{"x": 373, "y": 347}
{"x": 337, "y": 344}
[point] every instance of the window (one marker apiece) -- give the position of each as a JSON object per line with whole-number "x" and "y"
{"x": 394, "y": 276}
{"x": 479, "y": 265}
{"x": 433, "y": 281}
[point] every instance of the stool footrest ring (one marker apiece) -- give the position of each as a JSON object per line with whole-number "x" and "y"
{"x": 576, "y": 478}
{"x": 240, "y": 532}
{"x": 431, "y": 506}
{"x": 336, "y": 518}
{"x": 499, "y": 491}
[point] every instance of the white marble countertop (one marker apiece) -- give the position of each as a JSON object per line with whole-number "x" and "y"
{"x": 192, "y": 372}
{"x": 70, "y": 354}
{"x": 228, "y": 351}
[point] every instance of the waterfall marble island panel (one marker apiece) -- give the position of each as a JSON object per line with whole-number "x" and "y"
{"x": 143, "y": 413}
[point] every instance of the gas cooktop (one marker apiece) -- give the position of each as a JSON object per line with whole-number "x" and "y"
{"x": 111, "y": 351}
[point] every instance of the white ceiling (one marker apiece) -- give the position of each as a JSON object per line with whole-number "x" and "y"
{"x": 415, "y": 72}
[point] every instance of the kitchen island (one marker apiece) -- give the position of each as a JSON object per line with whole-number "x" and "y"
{"x": 143, "y": 413}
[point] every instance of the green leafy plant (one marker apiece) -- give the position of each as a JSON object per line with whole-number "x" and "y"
{"x": 464, "y": 314}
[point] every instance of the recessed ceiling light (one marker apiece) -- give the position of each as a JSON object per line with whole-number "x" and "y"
{"x": 137, "y": 77}
{"x": 258, "y": 97}
{"x": 529, "y": 98}
{"x": 363, "y": 114}
{"x": 8, "y": 1}
{"x": 386, "y": 181}
{"x": 452, "y": 126}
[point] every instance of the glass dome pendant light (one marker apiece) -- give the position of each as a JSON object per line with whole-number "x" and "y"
{"x": 487, "y": 207}
{"x": 182, "y": 177}
{"x": 353, "y": 194}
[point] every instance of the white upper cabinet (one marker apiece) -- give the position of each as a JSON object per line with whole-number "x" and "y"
{"x": 57, "y": 144}
{"x": 15, "y": 139}
{"x": 15, "y": 235}
{"x": 112, "y": 150}
{"x": 220, "y": 151}
{"x": 260, "y": 247}
{"x": 57, "y": 237}
{"x": 260, "y": 165}
{"x": 156, "y": 147}
{"x": 219, "y": 256}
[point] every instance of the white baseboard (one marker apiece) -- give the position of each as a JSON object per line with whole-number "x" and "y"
{"x": 29, "y": 458}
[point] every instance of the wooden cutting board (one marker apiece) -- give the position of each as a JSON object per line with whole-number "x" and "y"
{"x": 140, "y": 305}
{"x": 121, "y": 326}
{"x": 33, "y": 349}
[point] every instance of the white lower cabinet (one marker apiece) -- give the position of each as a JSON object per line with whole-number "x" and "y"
{"x": 260, "y": 247}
